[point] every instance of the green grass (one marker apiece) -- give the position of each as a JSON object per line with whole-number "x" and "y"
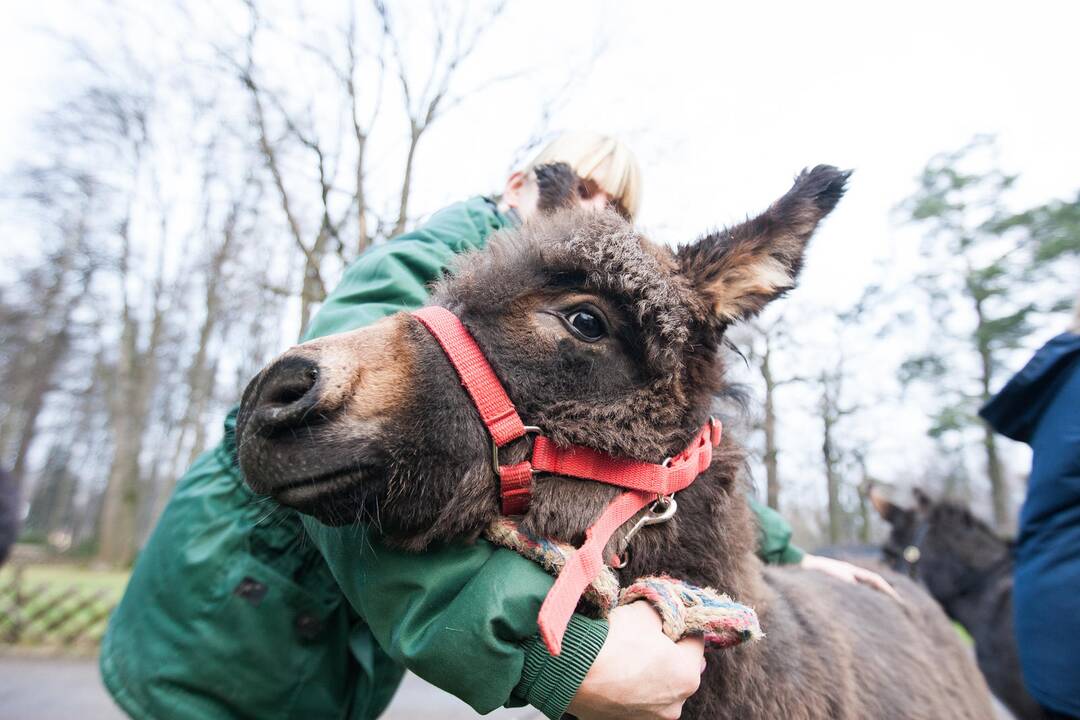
{"x": 964, "y": 634}
{"x": 67, "y": 575}
{"x": 59, "y": 580}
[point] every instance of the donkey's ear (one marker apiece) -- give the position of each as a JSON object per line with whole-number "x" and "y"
{"x": 740, "y": 269}
{"x": 889, "y": 511}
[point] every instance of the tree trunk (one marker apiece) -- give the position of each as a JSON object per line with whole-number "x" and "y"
{"x": 198, "y": 444}
{"x": 118, "y": 505}
{"x": 47, "y": 355}
{"x": 832, "y": 480}
{"x": 40, "y": 385}
{"x": 202, "y": 371}
{"x": 406, "y": 182}
{"x": 772, "y": 470}
{"x": 830, "y": 413}
{"x": 136, "y": 379}
{"x": 998, "y": 486}
{"x": 995, "y": 470}
{"x": 363, "y": 236}
{"x": 865, "y": 513}
{"x": 92, "y": 435}
{"x": 313, "y": 291}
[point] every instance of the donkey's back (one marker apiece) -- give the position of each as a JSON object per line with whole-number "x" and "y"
{"x": 841, "y": 651}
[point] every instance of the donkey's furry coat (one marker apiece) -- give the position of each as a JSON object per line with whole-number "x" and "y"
{"x": 642, "y": 390}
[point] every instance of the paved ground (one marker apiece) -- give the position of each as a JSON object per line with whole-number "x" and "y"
{"x": 34, "y": 688}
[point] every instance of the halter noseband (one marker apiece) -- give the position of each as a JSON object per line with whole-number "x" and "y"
{"x": 971, "y": 581}
{"x": 645, "y": 482}
{"x": 912, "y": 553}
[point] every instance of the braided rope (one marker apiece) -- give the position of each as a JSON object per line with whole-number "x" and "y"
{"x": 685, "y": 609}
{"x": 602, "y": 593}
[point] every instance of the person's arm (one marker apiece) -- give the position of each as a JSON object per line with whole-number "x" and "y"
{"x": 639, "y": 672}
{"x": 462, "y": 616}
{"x": 394, "y": 276}
{"x": 775, "y": 547}
{"x": 774, "y": 536}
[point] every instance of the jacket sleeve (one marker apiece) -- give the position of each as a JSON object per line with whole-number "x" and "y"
{"x": 462, "y": 616}
{"x": 395, "y": 275}
{"x": 774, "y": 536}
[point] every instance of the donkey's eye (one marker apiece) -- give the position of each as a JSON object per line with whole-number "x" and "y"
{"x": 587, "y": 324}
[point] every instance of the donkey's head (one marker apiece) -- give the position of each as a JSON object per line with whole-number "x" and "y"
{"x": 600, "y": 337}
{"x": 941, "y": 543}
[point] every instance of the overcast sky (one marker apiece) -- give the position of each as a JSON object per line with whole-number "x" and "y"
{"x": 725, "y": 102}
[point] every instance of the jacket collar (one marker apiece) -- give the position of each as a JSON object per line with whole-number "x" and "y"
{"x": 1015, "y": 410}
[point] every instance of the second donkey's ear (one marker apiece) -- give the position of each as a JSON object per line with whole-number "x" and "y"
{"x": 740, "y": 269}
{"x": 889, "y": 512}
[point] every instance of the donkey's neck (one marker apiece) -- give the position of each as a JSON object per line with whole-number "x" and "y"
{"x": 979, "y": 592}
{"x": 712, "y": 539}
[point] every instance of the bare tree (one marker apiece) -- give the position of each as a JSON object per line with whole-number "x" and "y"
{"x": 771, "y": 337}
{"x": 210, "y": 191}
{"x": 132, "y": 385}
{"x": 831, "y": 412}
{"x": 199, "y": 380}
{"x": 44, "y": 336}
{"x": 425, "y": 104}
{"x": 343, "y": 198}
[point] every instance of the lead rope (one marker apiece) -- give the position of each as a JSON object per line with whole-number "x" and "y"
{"x": 685, "y": 609}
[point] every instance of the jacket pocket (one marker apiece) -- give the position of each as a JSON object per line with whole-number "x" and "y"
{"x": 281, "y": 638}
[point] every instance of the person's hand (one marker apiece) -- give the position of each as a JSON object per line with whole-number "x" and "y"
{"x": 849, "y": 573}
{"x": 639, "y": 672}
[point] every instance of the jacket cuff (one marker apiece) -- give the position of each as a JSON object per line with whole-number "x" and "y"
{"x": 549, "y": 682}
{"x": 791, "y": 556}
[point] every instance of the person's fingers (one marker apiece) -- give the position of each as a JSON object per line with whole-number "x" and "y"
{"x": 692, "y": 645}
{"x": 877, "y": 582}
{"x": 643, "y": 612}
{"x": 689, "y": 665}
{"x": 672, "y": 712}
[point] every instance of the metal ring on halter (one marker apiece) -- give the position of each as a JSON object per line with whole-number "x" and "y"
{"x": 653, "y": 516}
{"x": 714, "y": 426}
{"x": 495, "y": 448}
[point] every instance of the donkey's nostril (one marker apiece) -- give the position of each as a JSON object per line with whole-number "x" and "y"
{"x": 288, "y": 394}
{"x": 285, "y": 388}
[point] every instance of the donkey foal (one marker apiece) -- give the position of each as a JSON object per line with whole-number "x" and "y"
{"x": 607, "y": 340}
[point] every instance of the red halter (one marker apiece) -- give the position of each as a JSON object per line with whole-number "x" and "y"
{"x": 644, "y": 481}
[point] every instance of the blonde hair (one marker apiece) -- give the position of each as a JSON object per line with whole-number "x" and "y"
{"x": 600, "y": 158}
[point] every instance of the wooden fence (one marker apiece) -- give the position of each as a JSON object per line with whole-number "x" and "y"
{"x": 52, "y": 614}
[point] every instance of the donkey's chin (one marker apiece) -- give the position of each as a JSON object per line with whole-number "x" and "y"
{"x": 336, "y": 498}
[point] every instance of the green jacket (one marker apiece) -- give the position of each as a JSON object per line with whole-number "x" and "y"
{"x": 234, "y": 611}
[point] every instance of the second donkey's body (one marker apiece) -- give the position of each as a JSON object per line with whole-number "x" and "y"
{"x": 968, "y": 569}
{"x": 605, "y": 340}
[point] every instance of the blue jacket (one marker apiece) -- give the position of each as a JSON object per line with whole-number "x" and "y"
{"x": 1041, "y": 407}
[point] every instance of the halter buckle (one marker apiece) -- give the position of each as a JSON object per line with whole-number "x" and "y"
{"x": 662, "y": 510}
{"x": 529, "y": 430}
{"x": 912, "y": 554}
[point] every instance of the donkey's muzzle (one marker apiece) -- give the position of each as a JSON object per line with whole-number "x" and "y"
{"x": 312, "y": 425}
{"x": 283, "y": 397}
